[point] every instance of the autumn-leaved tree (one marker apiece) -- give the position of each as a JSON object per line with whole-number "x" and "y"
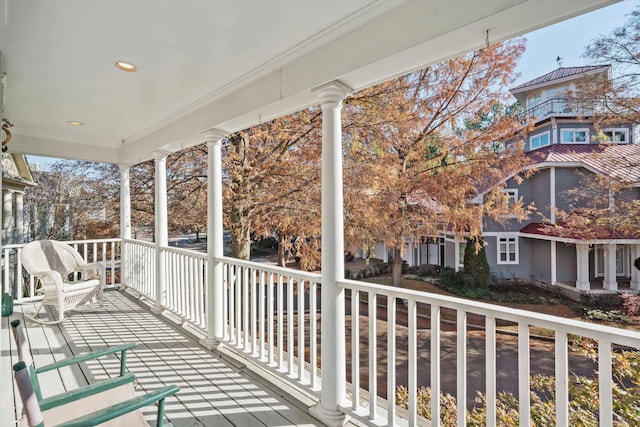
{"x": 614, "y": 100}
{"x": 424, "y": 143}
{"x": 272, "y": 183}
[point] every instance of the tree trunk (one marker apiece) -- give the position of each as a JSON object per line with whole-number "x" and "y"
{"x": 282, "y": 260}
{"x": 396, "y": 267}
{"x": 240, "y": 243}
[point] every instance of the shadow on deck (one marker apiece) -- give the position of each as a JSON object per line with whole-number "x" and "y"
{"x": 213, "y": 391}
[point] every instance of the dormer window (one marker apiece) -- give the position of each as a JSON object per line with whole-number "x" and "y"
{"x": 574, "y": 136}
{"x": 539, "y": 140}
{"x": 618, "y": 135}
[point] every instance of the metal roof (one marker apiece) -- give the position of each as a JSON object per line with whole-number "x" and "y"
{"x": 618, "y": 161}
{"x": 562, "y": 73}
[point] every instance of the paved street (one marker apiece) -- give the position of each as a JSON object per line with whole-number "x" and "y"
{"x": 541, "y": 359}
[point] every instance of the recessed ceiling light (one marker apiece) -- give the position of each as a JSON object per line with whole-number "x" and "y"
{"x": 75, "y": 123}
{"x": 126, "y": 66}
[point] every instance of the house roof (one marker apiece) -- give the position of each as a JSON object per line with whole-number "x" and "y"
{"x": 618, "y": 161}
{"x": 560, "y": 74}
{"x": 562, "y": 232}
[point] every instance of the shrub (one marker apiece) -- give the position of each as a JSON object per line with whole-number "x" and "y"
{"x": 615, "y": 316}
{"x": 631, "y": 304}
{"x": 583, "y": 408}
{"x": 476, "y": 264}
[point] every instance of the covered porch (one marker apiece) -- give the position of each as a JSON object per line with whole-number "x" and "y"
{"x": 455, "y": 346}
{"x": 216, "y": 389}
{"x": 593, "y": 266}
{"x": 291, "y": 325}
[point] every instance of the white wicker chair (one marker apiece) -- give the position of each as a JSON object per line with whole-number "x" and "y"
{"x": 57, "y": 266}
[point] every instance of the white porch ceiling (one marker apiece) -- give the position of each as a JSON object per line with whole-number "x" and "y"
{"x": 220, "y": 63}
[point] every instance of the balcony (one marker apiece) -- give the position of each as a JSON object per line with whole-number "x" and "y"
{"x": 271, "y": 322}
{"x": 558, "y": 107}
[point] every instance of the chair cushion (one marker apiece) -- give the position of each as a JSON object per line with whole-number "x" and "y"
{"x": 79, "y": 286}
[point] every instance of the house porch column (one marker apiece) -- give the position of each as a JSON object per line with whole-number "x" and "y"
{"x": 582, "y": 266}
{"x": 554, "y": 262}
{"x": 635, "y": 273}
{"x": 215, "y": 285}
{"x": 161, "y": 230}
{"x": 333, "y": 325}
{"x": 7, "y": 209}
{"x": 125, "y": 223}
{"x": 609, "y": 281}
{"x": 18, "y": 214}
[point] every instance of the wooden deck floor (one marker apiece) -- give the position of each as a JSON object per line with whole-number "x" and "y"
{"x": 212, "y": 391}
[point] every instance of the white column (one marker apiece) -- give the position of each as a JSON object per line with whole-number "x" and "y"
{"x": 18, "y": 213}
{"x": 582, "y": 265}
{"x": 610, "y": 281}
{"x": 333, "y": 333}
{"x": 635, "y": 273}
{"x": 215, "y": 285}
{"x": 125, "y": 223}
{"x": 552, "y": 195}
{"x": 161, "y": 233}
{"x": 554, "y": 263}
{"x": 7, "y": 209}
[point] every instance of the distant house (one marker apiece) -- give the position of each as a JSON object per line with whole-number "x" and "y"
{"x": 563, "y": 148}
{"x": 16, "y": 178}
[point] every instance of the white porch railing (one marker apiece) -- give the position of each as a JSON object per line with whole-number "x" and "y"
{"x": 459, "y": 310}
{"x": 272, "y": 316}
{"x": 186, "y": 273}
{"x": 270, "y": 313}
{"x": 23, "y": 286}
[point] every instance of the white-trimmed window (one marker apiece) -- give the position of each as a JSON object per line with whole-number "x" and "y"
{"x": 512, "y": 196}
{"x": 539, "y": 140}
{"x": 574, "y": 136}
{"x": 507, "y": 249}
{"x": 462, "y": 245}
{"x": 618, "y": 135}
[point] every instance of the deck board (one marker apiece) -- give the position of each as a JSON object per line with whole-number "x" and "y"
{"x": 212, "y": 391}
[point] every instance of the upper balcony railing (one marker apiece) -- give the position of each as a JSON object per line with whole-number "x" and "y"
{"x": 558, "y": 107}
{"x": 395, "y": 337}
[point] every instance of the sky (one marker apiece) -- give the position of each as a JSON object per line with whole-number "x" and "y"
{"x": 566, "y": 39}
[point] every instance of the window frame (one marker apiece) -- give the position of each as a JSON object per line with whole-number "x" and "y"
{"x": 624, "y": 131}
{"x": 462, "y": 245}
{"x": 539, "y": 136}
{"x": 512, "y": 196}
{"x": 508, "y": 239}
{"x": 574, "y": 130}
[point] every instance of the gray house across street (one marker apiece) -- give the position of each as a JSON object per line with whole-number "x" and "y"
{"x": 566, "y": 151}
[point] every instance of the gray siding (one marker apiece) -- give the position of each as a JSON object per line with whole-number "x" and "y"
{"x": 522, "y": 270}
{"x": 568, "y": 179}
{"x": 539, "y": 186}
{"x": 629, "y": 194}
{"x": 540, "y": 259}
{"x": 450, "y": 254}
{"x": 566, "y": 262}
{"x": 532, "y": 190}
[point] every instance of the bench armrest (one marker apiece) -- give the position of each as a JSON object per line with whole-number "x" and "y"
{"x": 125, "y": 407}
{"x": 82, "y": 392}
{"x": 90, "y": 356}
